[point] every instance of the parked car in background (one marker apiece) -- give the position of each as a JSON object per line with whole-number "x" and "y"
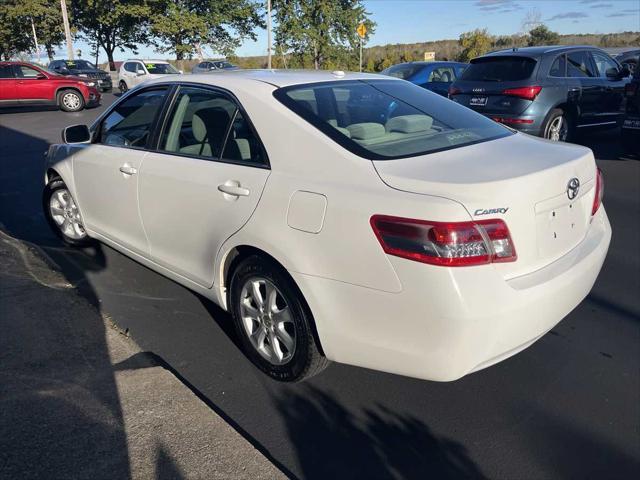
{"x": 626, "y": 57}
{"x": 26, "y": 84}
{"x": 434, "y": 76}
{"x": 550, "y": 92}
{"x": 213, "y": 65}
{"x": 407, "y": 241}
{"x": 82, "y": 68}
{"x": 631, "y": 124}
{"x": 134, "y": 72}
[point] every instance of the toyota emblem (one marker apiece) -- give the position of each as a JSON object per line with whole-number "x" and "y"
{"x": 573, "y": 187}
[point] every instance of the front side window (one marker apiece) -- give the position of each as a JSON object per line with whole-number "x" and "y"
{"x": 604, "y": 64}
{"x": 499, "y": 69}
{"x": 579, "y": 65}
{"x": 26, "y": 72}
{"x": 160, "y": 68}
{"x": 208, "y": 124}
{"x": 559, "y": 67}
{"x": 129, "y": 124}
{"x": 131, "y": 67}
{"x": 387, "y": 119}
{"x": 403, "y": 71}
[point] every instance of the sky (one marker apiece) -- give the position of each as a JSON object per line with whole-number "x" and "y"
{"x": 410, "y": 21}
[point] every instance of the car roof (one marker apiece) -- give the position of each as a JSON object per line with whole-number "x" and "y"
{"x": 535, "y": 52}
{"x": 144, "y": 60}
{"x": 281, "y": 78}
{"x": 427, "y": 63}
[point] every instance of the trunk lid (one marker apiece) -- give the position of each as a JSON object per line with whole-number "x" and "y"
{"x": 520, "y": 179}
{"x": 488, "y": 98}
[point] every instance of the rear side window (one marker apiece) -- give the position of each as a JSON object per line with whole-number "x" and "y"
{"x": 6, "y": 71}
{"x": 208, "y": 124}
{"x": 499, "y": 69}
{"x": 579, "y": 65}
{"x": 129, "y": 124}
{"x": 559, "y": 67}
{"x": 387, "y": 119}
{"x": 403, "y": 71}
{"x": 442, "y": 74}
{"x": 23, "y": 71}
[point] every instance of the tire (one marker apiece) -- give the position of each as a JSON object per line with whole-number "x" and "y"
{"x": 70, "y": 100}
{"x": 261, "y": 331}
{"x": 558, "y": 126}
{"x": 74, "y": 236}
{"x": 123, "y": 86}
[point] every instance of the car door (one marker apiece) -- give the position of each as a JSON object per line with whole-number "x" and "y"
{"x": 33, "y": 86}
{"x": 129, "y": 73}
{"x": 8, "y": 92}
{"x": 612, "y": 83}
{"x": 106, "y": 172}
{"x": 203, "y": 182}
{"x": 580, "y": 66}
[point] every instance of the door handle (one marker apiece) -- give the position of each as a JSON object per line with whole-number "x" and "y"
{"x": 233, "y": 188}
{"x": 128, "y": 169}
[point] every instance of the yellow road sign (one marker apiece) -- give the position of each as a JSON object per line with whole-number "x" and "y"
{"x": 362, "y": 30}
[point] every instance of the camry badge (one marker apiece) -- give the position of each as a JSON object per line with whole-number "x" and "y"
{"x": 573, "y": 187}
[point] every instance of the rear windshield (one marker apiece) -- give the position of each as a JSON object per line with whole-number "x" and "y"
{"x": 388, "y": 119}
{"x": 403, "y": 71}
{"x": 499, "y": 69}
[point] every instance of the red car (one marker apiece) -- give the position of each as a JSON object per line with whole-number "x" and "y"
{"x": 26, "y": 84}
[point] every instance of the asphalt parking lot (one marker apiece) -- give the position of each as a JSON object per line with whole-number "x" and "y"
{"x": 567, "y": 407}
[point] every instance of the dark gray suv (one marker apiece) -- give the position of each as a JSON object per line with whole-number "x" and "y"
{"x": 551, "y": 92}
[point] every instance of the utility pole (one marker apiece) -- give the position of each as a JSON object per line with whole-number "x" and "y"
{"x": 35, "y": 39}
{"x": 67, "y": 30}
{"x": 269, "y": 34}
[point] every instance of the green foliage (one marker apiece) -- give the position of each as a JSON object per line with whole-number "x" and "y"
{"x": 14, "y": 29}
{"x": 179, "y": 26}
{"x": 113, "y": 24}
{"x": 541, "y": 35}
{"x": 474, "y": 43}
{"x": 320, "y": 33}
{"x": 46, "y": 19}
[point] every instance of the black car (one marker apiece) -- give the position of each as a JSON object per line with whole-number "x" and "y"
{"x": 551, "y": 92}
{"x": 434, "y": 76}
{"x": 82, "y": 68}
{"x": 631, "y": 122}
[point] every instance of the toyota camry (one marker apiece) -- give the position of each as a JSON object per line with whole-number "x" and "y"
{"x": 339, "y": 216}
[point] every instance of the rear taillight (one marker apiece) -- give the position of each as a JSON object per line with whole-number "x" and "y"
{"x": 448, "y": 244}
{"x": 454, "y": 90}
{"x": 528, "y": 93}
{"x": 597, "y": 199}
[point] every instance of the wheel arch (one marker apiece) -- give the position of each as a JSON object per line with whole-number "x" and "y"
{"x": 68, "y": 87}
{"x": 236, "y": 254}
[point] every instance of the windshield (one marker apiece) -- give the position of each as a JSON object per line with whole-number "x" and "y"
{"x": 388, "y": 119}
{"x": 78, "y": 65}
{"x": 403, "y": 71}
{"x": 499, "y": 69}
{"x": 160, "y": 68}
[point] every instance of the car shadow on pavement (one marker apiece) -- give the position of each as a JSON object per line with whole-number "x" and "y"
{"x": 333, "y": 442}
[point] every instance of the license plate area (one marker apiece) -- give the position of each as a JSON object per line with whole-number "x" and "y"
{"x": 478, "y": 101}
{"x": 632, "y": 123}
{"x": 562, "y": 227}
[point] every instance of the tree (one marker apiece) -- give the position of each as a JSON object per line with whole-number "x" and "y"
{"x": 541, "y": 35}
{"x": 14, "y": 33}
{"x": 46, "y": 19}
{"x": 474, "y": 43}
{"x": 179, "y": 25}
{"x": 113, "y": 24}
{"x": 321, "y": 33}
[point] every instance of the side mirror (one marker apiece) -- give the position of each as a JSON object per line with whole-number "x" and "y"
{"x": 625, "y": 72}
{"x": 76, "y": 134}
{"x": 180, "y": 72}
{"x": 140, "y": 72}
{"x": 41, "y": 76}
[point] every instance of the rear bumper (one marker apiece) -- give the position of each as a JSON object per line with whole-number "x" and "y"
{"x": 523, "y": 123}
{"x": 448, "y": 322}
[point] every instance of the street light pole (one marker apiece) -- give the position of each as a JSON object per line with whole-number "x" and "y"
{"x": 67, "y": 30}
{"x": 269, "y": 34}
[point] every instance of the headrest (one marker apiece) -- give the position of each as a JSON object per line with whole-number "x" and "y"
{"x": 409, "y": 123}
{"x": 366, "y": 131}
{"x": 214, "y": 119}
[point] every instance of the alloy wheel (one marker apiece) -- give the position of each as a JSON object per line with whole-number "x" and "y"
{"x": 267, "y": 320}
{"x": 71, "y": 101}
{"x": 557, "y": 129}
{"x": 66, "y": 215}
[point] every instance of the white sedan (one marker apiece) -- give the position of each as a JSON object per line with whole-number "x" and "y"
{"x": 346, "y": 217}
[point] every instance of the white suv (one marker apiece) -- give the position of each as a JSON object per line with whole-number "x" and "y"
{"x": 134, "y": 72}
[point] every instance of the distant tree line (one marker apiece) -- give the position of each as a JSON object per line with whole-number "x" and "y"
{"x": 307, "y": 33}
